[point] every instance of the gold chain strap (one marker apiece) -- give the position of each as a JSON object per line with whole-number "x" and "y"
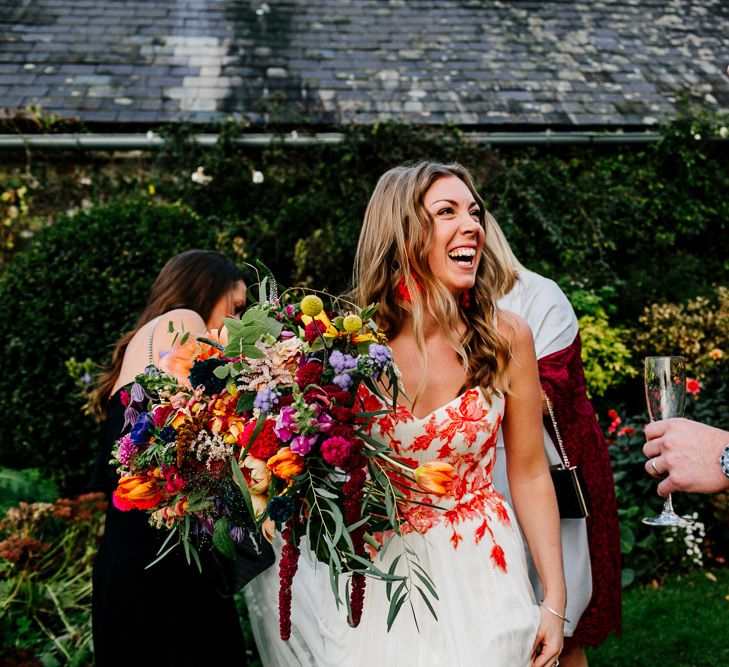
{"x": 556, "y": 431}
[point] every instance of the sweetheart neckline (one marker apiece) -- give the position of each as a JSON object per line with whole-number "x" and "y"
{"x": 439, "y": 408}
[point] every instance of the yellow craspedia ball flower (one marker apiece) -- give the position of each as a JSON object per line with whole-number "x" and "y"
{"x": 352, "y": 324}
{"x": 311, "y": 305}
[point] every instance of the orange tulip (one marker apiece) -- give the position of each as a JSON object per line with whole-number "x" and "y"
{"x": 435, "y": 477}
{"x": 137, "y": 492}
{"x": 285, "y": 464}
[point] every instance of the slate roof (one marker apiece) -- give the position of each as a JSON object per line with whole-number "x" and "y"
{"x": 475, "y": 63}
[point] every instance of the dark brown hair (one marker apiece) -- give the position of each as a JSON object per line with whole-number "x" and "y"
{"x": 194, "y": 280}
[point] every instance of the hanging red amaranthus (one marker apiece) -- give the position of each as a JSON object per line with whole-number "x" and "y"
{"x": 353, "y": 490}
{"x": 287, "y": 569}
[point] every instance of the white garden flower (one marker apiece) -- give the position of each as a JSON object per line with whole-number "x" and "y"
{"x": 723, "y": 132}
{"x": 257, "y": 177}
{"x": 200, "y": 177}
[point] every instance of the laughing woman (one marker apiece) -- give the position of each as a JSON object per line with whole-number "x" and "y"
{"x": 467, "y": 367}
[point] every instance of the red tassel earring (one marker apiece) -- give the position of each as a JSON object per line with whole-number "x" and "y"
{"x": 403, "y": 291}
{"x": 466, "y": 299}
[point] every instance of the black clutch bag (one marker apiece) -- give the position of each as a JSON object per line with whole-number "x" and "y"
{"x": 570, "y": 488}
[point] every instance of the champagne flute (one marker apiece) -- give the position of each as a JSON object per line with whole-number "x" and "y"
{"x": 665, "y": 393}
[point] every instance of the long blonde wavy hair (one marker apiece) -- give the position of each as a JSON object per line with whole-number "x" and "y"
{"x": 394, "y": 244}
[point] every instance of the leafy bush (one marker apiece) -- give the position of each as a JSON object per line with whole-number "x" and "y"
{"x": 696, "y": 329}
{"x": 77, "y": 287}
{"x": 605, "y": 354}
{"x": 24, "y": 485}
{"x": 618, "y": 227}
{"x": 46, "y": 555}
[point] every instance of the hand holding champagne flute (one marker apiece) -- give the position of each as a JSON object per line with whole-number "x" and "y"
{"x": 665, "y": 392}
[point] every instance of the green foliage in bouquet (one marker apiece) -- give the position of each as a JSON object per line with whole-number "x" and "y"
{"x": 72, "y": 293}
{"x": 46, "y": 556}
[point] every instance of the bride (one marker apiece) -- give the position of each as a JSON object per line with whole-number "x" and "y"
{"x": 466, "y": 368}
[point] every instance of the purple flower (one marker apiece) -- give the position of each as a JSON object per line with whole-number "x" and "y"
{"x": 137, "y": 393}
{"x": 290, "y": 310}
{"x": 343, "y": 381}
{"x": 380, "y": 354}
{"x": 285, "y": 335}
{"x": 266, "y": 399}
{"x": 236, "y": 534}
{"x": 323, "y": 422}
{"x": 286, "y": 425}
{"x": 126, "y": 450}
{"x": 140, "y": 431}
{"x": 130, "y": 416}
{"x": 341, "y": 362}
{"x": 378, "y": 357}
{"x": 302, "y": 444}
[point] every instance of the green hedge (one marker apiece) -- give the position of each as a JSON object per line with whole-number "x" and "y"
{"x": 79, "y": 285}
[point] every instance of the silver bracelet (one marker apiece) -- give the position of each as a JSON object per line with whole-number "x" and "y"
{"x": 556, "y": 613}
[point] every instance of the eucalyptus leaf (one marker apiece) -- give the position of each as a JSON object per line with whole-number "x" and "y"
{"x": 391, "y": 570}
{"x": 395, "y": 605}
{"x": 221, "y": 538}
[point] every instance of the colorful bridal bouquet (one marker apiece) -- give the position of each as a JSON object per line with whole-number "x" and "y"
{"x": 259, "y": 431}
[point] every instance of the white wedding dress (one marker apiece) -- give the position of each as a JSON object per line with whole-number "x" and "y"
{"x": 487, "y": 616}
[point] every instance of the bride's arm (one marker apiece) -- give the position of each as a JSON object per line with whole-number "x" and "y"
{"x": 531, "y": 486}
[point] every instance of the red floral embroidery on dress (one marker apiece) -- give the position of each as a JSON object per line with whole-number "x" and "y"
{"x": 464, "y": 434}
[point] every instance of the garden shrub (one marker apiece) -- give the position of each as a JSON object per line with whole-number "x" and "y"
{"x": 78, "y": 286}
{"x": 605, "y": 354}
{"x": 46, "y": 556}
{"x": 696, "y": 329}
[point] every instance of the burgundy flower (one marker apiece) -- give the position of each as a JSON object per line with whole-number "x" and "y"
{"x": 285, "y": 401}
{"x": 336, "y": 451}
{"x": 343, "y": 430}
{"x": 342, "y": 414}
{"x": 313, "y": 330}
{"x": 160, "y": 414}
{"x": 337, "y": 394}
{"x": 309, "y": 373}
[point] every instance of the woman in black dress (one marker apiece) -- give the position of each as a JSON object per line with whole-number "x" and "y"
{"x": 169, "y": 614}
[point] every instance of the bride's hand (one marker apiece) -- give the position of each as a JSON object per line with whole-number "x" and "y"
{"x": 549, "y": 639}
